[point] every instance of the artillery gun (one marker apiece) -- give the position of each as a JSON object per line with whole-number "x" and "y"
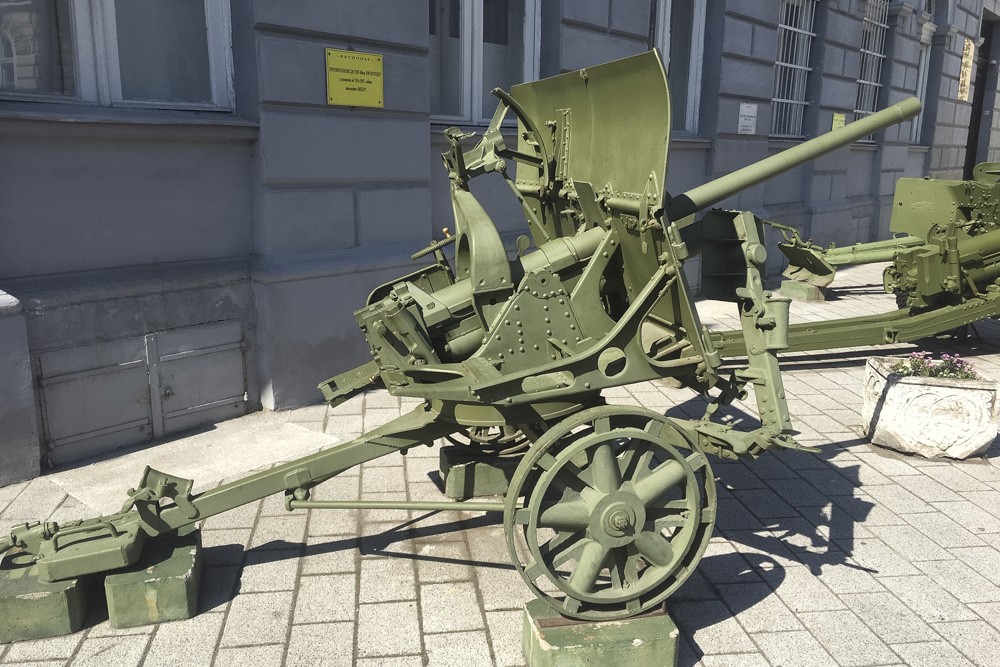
{"x": 944, "y": 262}
{"x": 612, "y": 507}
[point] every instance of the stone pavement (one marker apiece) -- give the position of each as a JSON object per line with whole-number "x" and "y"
{"x": 850, "y": 557}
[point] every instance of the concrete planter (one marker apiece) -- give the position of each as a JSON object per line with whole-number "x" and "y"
{"x": 932, "y": 417}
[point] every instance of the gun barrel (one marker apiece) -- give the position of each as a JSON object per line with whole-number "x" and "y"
{"x": 715, "y": 191}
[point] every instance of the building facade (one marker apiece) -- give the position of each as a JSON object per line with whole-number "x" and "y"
{"x": 187, "y": 223}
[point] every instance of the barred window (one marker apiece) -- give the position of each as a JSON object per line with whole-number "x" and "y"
{"x": 875, "y": 27}
{"x": 791, "y": 68}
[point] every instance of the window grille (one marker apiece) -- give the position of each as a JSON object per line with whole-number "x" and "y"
{"x": 791, "y": 68}
{"x": 875, "y": 28}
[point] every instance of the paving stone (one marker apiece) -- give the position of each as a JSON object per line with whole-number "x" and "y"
{"x": 931, "y": 602}
{"x": 735, "y": 660}
{"x": 443, "y": 561}
{"x": 51, "y": 648}
{"x": 382, "y": 480}
{"x": 258, "y": 656}
{"x": 270, "y": 570}
{"x": 889, "y": 618}
{"x": 976, "y": 640}
{"x": 387, "y": 579}
{"x": 840, "y": 573}
{"x": 757, "y": 609}
{"x": 984, "y": 560}
{"x": 373, "y": 619}
{"x": 929, "y": 489}
{"x": 161, "y": 586}
{"x": 829, "y": 481}
{"x": 779, "y": 646}
{"x": 897, "y": 499}
{"x": 193, "y": 640}
{"x": 931, "y": 654}
{"x": 458, "y": 649}
{"x": 800, "y": 590}
{"x": 126, "y": 651}
{"x": 910, "y": 543}
{"x": 333, "y": 522}
{"x": 864, "y": 509}
{"x": 325, "y": 598}
{"x": 988, "y": 611}
{"x": 736, "y": 476}
{"x": 799, "y": 493}
{"x": 257, "y": 619}
{"x": 975, "y": 519}
{"x": 506, "y": 629}
{"x": 889, "y": 464}
{"x": 762, "y": 543}
{"x": 375, "y": 417}
{"x": 36, "y": 501}
{"x": 217, "y": 586}
{"x": 279, "y": 532}
{"x": 765, "y": 504}
{"x": 957, "y": 480}
{"x": 943, "y": 530}
{"x": 321, "y": 645}
{"x": 961, "y": 581}
{"x": 847, "y": 639}
{"x": 324, "y": 555}
{"x": 450, "y": 607}
{"x": 398, "y": 661}
{"x": 733, "y": 514}
{"x": 224, "y": 547}
{"x": 712, "y": 627}
{"x": 873, "y": 554}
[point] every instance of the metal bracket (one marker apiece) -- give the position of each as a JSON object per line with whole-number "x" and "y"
{"x": 154, "y": 487}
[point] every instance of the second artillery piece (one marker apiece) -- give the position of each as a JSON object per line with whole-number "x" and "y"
{"x": 612, "y": 506}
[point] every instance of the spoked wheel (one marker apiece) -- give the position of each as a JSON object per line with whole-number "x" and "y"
{"x": 618, "y": 509}
{"x": 496, "y": 441}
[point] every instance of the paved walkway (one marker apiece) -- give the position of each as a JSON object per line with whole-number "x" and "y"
{"x": 850, "y": 557}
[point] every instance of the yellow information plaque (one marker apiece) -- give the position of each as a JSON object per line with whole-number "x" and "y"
{"x": 353, "y": 78}
{"x": 838, "y": 121}
{"x": 965, "y": 75}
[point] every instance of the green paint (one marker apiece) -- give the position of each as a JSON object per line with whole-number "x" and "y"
{"x": 551, "y": 641}
{"x": 31, "y": 608}
{"x": 160, "y": 586}
{"x": 466, "y": 476}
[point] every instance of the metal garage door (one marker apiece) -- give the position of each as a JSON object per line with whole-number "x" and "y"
{"x": 99, "y": 397}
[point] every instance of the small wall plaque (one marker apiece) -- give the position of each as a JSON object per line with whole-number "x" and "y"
{"x": 748, "y": 119}
{"x": 354, "y": 78}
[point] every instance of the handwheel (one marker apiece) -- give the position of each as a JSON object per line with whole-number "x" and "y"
{"x": 618, "y": 509}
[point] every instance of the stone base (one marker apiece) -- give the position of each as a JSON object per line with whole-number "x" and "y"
{"x": 32, "y": 609}
{"x": 800, "y": 291}
{"x": 551, "y": 640}
{"x": 468, "y": 477}
{"x": 161, "y": 586}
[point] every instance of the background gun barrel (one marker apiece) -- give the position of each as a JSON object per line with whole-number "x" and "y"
{"x": 715, "y": 191}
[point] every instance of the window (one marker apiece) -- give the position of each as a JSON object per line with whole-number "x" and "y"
{"x": 791, "y": 68}
{"x": 927, "y": 30}
{"x": 118, "y": 52}
{"x": 875, "y": 28}
{"x": 476, "y": 46}
{"x": 6, "y": 63}
{"x": 680, "y": 36}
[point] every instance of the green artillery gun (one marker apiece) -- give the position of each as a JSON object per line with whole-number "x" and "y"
{"x": 925, "y": 212}
{"x": 612, "y": 507}
{"x": 945, "y": 259}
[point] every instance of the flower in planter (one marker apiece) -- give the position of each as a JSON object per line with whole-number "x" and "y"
{"x": 920, "y": 364}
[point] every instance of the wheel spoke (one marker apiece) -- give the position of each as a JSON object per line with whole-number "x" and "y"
{"x": 668, "y": 521}
{"x": 563, "y": 515}
{"x": 654, "y": 548}
{"x": 602, "y": 425}
{"x": 561, "y": 548}
{"x": 588, "y": 566}
{"x": 604, "y": 473}
{"x": 624, "y": 569}
{"x": 657, "y": 483}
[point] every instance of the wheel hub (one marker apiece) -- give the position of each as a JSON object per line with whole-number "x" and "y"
{"x": 617, "y": 518}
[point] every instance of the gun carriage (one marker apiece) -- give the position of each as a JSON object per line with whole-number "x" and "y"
{"x": 611, "y": 507}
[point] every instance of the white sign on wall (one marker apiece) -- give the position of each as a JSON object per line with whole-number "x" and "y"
{"x": 748, "y": 119}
